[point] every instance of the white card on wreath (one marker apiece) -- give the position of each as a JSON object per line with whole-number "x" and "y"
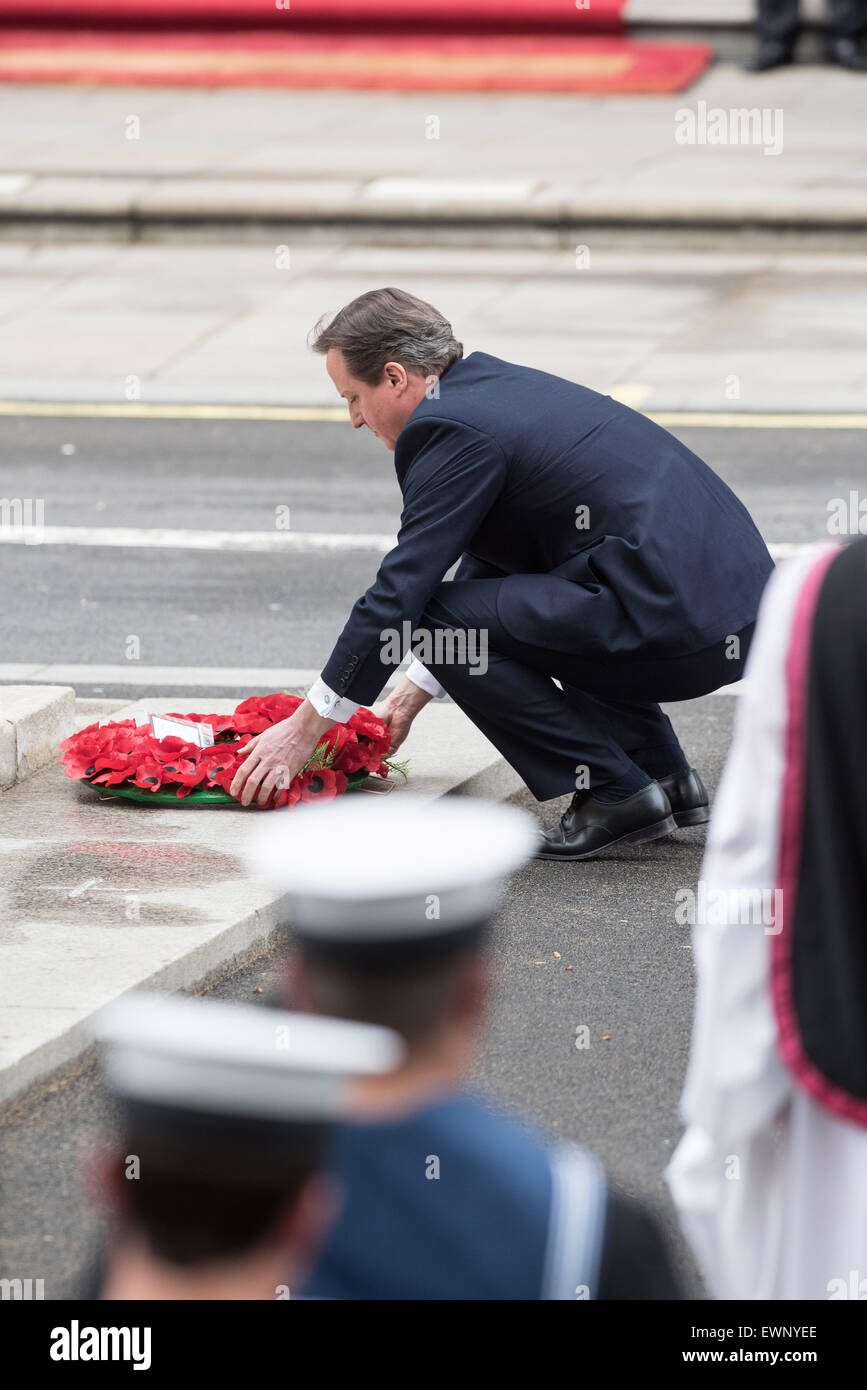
{"x": 168, "y": 726}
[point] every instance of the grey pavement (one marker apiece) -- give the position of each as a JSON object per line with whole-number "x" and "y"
{"x": 545, "y": 164}
{"x": 663, "y": 327}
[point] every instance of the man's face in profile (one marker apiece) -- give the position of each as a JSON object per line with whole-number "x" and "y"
{"x": 384, "y": 408}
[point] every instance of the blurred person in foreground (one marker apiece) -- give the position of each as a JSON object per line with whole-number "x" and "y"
{"x": 770, "y": 1178}
{"x": 225, "y": 1112}
{"x": 391, "y": 902}
{"x": 779, "y": 27}
{"x": 595, "y": 550}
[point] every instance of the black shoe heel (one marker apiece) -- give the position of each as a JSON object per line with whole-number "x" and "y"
{"x": 651, "y": 832}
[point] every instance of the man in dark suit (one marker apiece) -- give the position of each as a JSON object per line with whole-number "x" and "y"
{"x": 595, "y": 550}
{"x": 778, "y": 34}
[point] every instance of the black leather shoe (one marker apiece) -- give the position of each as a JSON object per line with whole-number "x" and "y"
{"x": 846, "y": 54}
{"x": 687, "y": 796}
{"x": 771, "y": 54}
{"x": 590, "y": 827}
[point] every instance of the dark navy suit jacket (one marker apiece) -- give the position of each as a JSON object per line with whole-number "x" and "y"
{"x": 496, "y": 470}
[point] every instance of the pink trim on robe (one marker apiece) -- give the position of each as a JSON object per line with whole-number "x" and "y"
{"x": 791, "y": 829}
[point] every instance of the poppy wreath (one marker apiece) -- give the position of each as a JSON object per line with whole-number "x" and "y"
{"x": 126, "y": 757}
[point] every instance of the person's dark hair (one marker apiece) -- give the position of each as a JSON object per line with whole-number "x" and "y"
{"x": 388, "y": 325}
{"x": 192, "y": 1212}
{"x": 416, "y": 1002}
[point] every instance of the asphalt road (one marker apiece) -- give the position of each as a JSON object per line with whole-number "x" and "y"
{"x": 75, "y": 604}
{"x": 611, "y": 920}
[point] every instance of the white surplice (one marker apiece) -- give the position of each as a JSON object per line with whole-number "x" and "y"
{"x": 770, "y": 1187}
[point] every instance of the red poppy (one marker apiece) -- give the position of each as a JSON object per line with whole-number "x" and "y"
{"x": 148, "y": 774}
{"x": 374, "y": 737}
{"x": 111, "y": 779}
{"x": 261, "y": 711}
{"x": 190, "y": 772}
{"x": 111, "y": 761}
{"x": 78, "y": 765}
{"x": 342, "y": 742}
{"x": 290, "y": 795}
{"x": 321, "y": 784}
{"x": 173, "y": 749}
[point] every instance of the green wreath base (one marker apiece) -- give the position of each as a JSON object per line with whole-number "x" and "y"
{"x": 199, "y": 796}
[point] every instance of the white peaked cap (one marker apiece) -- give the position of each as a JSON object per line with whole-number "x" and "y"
{"x": 236, "y": 1059}
{"x": 391, "y": 868}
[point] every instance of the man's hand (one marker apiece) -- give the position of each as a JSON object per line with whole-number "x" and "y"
{"x": 277, "y": 755}
{"x": 399, "y": 709}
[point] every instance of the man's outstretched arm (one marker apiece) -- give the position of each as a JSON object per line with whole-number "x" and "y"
{"x": 454, "y": 479}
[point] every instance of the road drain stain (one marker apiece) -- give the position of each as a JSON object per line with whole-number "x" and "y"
{"x": 106, "y": 883}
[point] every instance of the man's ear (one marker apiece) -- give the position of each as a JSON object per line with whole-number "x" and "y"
{"x": 396, "y": 375}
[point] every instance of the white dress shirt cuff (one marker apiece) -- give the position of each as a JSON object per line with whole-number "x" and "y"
{"x": 421, "y": 676}
{"x": 329, "y": 704}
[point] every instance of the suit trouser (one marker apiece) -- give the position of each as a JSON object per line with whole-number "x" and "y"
{"x": 778, "y": 19}
{"x": 606, "y": 718}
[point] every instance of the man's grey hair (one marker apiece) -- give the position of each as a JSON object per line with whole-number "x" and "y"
{"x": 388, "y": 326}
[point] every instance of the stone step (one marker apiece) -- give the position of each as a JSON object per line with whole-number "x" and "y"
{"x": 33, "y": 721}
{"x": 695, "y": 14}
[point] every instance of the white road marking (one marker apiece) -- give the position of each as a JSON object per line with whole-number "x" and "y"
{"x": 88, "y": 887}
{"x": 14, "y": 183}
{"x": 250, "y": 542}
{"x": 131, "y": 674}
{"x": 88, "y": 883}
{"x": 174, "y": 410}
{"x": 163, "y": 538}
{"x": 785, "y": 550}
{"x": 206, "y": 677}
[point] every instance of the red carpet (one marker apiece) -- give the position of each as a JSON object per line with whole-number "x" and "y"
{"x": 418, "y": 45}
{"x": 310, "y": 58}
{"x": 561, "y": 15}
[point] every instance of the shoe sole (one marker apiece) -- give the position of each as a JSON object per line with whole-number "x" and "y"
{"x": 635, "y": 837}
{"x": 699, "y": 815}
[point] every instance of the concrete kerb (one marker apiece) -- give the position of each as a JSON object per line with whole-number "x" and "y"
{"x": 549, "y": 216}
{"x": 34, "y": 719}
